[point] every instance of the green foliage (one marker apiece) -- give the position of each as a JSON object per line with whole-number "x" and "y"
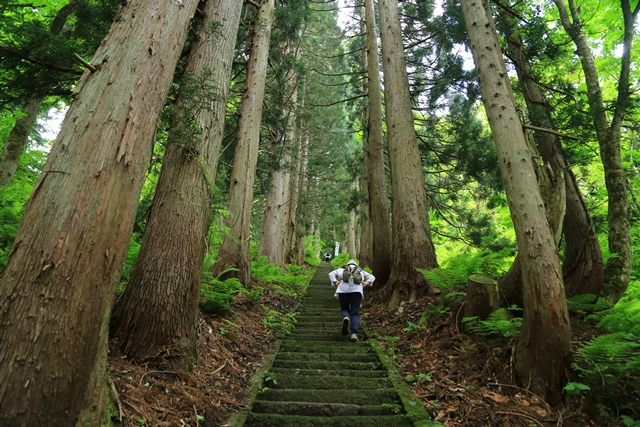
{"x": 312, "y": 247}
{"x": 13, "y": 198}
{"x": 420, "y": 377}
{"x": 610, "y": 363}
{"x": 630, "y": 422}
{"x": 292, "y": 280}
{"x": 340, "y": 260}
{"x": 575, "y": 388}
{"x": 411, "y": 327}
{"x": 279, "y": 324}
{"x": 587, "y": 303}
{"x": 625, "y": 315}
{"x": 196, "y": 94}
{"x": 501, "y": 323}
{"x": 217, "y": 296}
{"x": 456, "y": 270}
{"x": 130, "y": 259}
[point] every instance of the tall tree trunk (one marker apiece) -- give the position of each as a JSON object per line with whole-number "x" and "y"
{"x": 56, "y": 291}
{"x": 618, "y": 267}
{"x": 275, "y": 241}
{"x": 299, "y": 217}
{"x": 19, "y": 137}
{"x": 157, "y": 313}
{"x": 296, "y": 227}
{"x": 412, "y": 245}
{"x": 543, "y": 349}
{"x": 365, "y": 250}
{"x": 350, "y": 232}
{"x": 234, "y": 251}
{"x": 583, "y": 267}
{"x": 374, "y": 151}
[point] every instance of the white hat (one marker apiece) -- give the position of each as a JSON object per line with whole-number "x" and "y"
{"x": 351, "y": 261}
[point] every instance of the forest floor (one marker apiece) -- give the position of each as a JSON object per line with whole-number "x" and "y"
{"x": 463, "y": 380}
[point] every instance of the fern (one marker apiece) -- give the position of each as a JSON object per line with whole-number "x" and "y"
{"x": 615, "y": 356}
{"x": 457, "y": 269}
{"x": 217, "y": 296}
{"x": 291, "y": 280}
{"x": 500, "y": 323}
{"x": 587, "y": 303}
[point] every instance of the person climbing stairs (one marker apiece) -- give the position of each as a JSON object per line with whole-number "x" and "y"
{"x": 320, "y": 378}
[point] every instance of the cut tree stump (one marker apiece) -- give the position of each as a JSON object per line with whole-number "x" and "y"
{"x": 483, "y": 297}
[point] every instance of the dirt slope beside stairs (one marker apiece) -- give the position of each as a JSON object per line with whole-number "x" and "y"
{"x": 320, "y": 378}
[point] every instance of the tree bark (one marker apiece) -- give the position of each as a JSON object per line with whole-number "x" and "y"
{"x": 412, "y": 245}
{"x": 56, "y": 291}
{"x": 157, "y": 313}
{"x": 374, "y": 151}
{"x": 583, "y": 266}
{"x": 299, "y": 217}
{"x": 19, "y": 137}
{"x": 543, "y": 349}
{"x": 350, "y": 233}
{"x": 618, "y": 266}
{"x": 234, "y": 251}
{"x": 275, "y": 242}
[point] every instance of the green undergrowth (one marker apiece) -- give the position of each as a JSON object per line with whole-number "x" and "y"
{"x": 609, "y": 364}
{"x": 218, "y": 296}
{"x": 13, "y": 198}
{"x": 450, "y": 279}
{"x": 501, "y": 323}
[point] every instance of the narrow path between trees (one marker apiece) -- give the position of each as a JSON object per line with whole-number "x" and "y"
{"x": 320, "y": 378}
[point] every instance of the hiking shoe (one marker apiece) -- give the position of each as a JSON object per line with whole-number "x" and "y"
{"x": 354, "y": 338}
{"x": 345, "y": 326}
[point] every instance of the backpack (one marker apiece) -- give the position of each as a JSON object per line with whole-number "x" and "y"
{"x": 352, "y": 272}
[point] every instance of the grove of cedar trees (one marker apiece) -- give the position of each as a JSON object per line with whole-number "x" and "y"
{"x": 200, "y": 139}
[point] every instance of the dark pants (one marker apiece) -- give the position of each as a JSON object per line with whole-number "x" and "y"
{"x": 350, "y": 305}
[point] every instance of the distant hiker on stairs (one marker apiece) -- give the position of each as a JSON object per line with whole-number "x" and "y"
{"x": 350, "y": 281}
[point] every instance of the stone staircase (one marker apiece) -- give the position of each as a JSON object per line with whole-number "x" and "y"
{"x": 320, "y": 378}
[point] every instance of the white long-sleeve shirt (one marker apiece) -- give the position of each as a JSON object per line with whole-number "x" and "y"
{"x": 345, "y": 288}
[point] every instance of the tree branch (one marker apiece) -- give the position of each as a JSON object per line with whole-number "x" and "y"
{"x": 84, "y": 62}
{"x": 337, "y": 74}
{"x": 551, "y": 131}
{"x": 339, "y": 102}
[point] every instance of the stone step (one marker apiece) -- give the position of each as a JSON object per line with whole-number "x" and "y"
{"x": 357, "y": 397}
{"x": 325, "y": 382}
{"x": 335, "y": 318}
{"x": 381, "y": 373}
{"x": 291, "y": 346}
{"x": 320, "y": 378}
{"x": 320, "y": 364}
{"x": 329, "y": 357}
{"x": 324, "y": 409}
{"x": 277, "y": 420}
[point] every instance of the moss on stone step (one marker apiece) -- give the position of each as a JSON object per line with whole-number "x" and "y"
{"x": 358, "y": 397}
{"x": 324, "y": 409}
{"x": 350, "y": 373}
{"x": 274, "y": 420}
{"x": 319, "y": 364}
{"x": 326, "y": 382}
{"x": 332, "y": 357}
{"x": 324, "y": 347}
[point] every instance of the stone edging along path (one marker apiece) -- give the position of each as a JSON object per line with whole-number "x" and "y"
{"x": 319, "y": 378}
